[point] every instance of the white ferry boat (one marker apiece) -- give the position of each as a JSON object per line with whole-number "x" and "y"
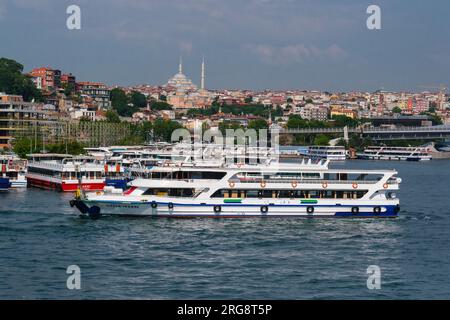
{"x": 65, "y": 172}
{"x": 241, "y": 190}
{"x": 12, "y": 172}
{"x": 332, "y": 153}
{"x": 396, "y": 153}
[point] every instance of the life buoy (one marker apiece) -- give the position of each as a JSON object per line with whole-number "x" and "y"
{"x": 154, "y": 205}
{"x": 325, "y": 185}
{"x": 377, "y": 210}
{"x": 170, "y": 205}
{"x": 264, "y": 209}
{"x": 263, "y": 184}
{"x": 217, "y": 209}
{"x": 310, "y": 209}
{"x": 355, "y": 185}
{"x": 294, "y": 184}
{"x": 355, "y": 210}
{"x": 231, "y": 184}
{"x": 385, "y": 186}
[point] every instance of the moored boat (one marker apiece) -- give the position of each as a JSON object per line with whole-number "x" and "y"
{"x": 396, "y": 153}
{"x": 65, "y": 172}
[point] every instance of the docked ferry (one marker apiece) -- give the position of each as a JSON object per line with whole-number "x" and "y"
{"x": 12, "y": 172}
{"x": 396, "y": 153}
{"x": 65, "y": 172}
{"x": 241, "y": 190}
{"x": 332, "y": 153}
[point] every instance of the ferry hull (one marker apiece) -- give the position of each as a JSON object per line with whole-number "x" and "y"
{"x": 5, "y": 184}
{"x": 174, "y": 210}
{"x": 64, "y": 187}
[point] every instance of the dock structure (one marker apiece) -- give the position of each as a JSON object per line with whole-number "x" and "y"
{"x": 91, "y": 134}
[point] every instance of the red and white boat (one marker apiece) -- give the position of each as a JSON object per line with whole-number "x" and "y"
{"x": 65, "y": 173}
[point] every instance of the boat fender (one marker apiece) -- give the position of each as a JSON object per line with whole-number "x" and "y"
{"x": 294, "y": 184}
{"x": 310, "y": 209}
{"x": 217, "y": 209}
{"x": 263, "y": 184}
{"x": 325, "y": 185}
{"x": 385, "y": 186}
{"x": 355, "y": 185}
{"x": 355, "y": 210}
{"x": 264, "y": 209}
{"x": 154, "y": 205}
{"x": 170, "y": 205}
{"x": 72, "y": 203}
{"x": 397, "y": 209}
{"x": 377, "y": 210}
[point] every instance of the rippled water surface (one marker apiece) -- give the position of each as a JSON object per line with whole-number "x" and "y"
{"x": 151, "y": 258}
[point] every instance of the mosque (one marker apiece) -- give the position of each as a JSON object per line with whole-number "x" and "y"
{"x": 180, "y": 81}
{"x": 187, "y": 95}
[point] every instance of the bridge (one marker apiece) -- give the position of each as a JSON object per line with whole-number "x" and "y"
{"x": 376, "y": 133}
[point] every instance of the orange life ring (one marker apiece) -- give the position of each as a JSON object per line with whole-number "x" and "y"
{"x": 325, "y": 185}
{"x": 355, "y": 185}
{"x": 385, "y": 186}
{"x": 231, "y": 184}
{"x": 263, "y": 184}
{"x": 294, "y": 184}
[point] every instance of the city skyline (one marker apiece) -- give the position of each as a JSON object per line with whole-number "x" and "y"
{"x": 256, "y": 45}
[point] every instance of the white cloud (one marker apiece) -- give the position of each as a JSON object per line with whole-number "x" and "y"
{"x": 295, "y": 53}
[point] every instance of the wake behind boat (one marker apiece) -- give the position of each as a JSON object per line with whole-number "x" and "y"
{"x": 243, "y": 190}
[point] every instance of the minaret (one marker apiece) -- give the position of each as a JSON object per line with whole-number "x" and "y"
{"x": 202, "y": 86}
{"x": 180, "y": 66}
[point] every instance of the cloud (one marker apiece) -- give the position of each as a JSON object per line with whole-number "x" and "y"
{"x": 186, "y": 46}
{"x": 295, "y": 53}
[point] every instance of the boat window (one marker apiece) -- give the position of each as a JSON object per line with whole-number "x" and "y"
{"x": 290, "y": 194}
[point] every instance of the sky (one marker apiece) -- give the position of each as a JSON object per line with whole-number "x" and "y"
{"x": 248, "y": 44}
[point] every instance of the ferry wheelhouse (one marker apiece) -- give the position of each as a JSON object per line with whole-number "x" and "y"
{"x": 12, "y": 172}
{"x": 396, "y": 153}
{"x": 240, "y": 190}
{"x": 65, "y": 172}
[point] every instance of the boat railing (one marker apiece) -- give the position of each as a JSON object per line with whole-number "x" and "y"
{"x": 305, "y": 181}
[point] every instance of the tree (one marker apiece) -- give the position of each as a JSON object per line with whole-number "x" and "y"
{"x": 248, "y": 100}
{"x": 12, "y": 81}
{"x": 112, "y": 116}
{"x": 120, "y": 101}
{"x": 160, "y": 105}
{"x": 258, "y": 124}
{"x": 344, "y": 121}
{"x": 138, "y": 100}
{"x": 163, "y": 129}
{"x": 321, "y": 140}
{"x": 397, "y": 109}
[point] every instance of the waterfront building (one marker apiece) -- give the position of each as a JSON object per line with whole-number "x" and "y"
{"x": 68, "y": 79}
{"x": 46, "y": 79}
{"x": 341, "y": 111}
{"x": 16, "y": 116}
{"x": 99, "y": 93}
{"x": 312, "y": 112}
